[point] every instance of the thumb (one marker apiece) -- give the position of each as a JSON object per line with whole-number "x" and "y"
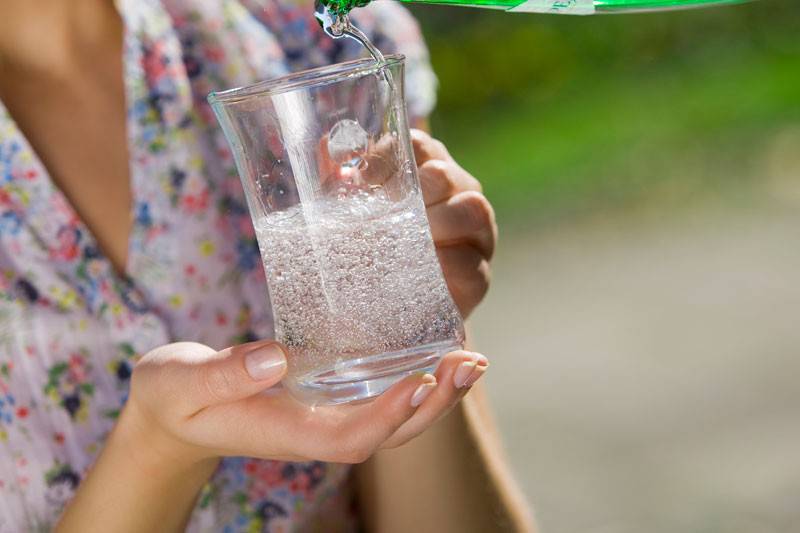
{"x": 237, "y": 372}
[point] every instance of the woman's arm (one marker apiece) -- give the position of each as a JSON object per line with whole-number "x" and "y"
{"x": 453, "y": 478}
{"x": 190, "y": 405}
{"x": 137, "y": 484}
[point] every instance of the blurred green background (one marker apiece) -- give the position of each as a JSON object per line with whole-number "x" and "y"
{"x": 643, "y": 320}
{"x": 558, "y": 113}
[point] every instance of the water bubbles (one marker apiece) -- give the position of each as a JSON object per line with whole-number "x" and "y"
{"x": 348, "y": 144}
{"x": 372, "y": 257}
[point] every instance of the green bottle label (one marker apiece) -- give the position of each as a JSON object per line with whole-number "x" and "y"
{"x": 562, "y": 7}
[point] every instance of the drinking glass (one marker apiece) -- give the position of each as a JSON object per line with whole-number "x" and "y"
{"x": 357, "y": 293}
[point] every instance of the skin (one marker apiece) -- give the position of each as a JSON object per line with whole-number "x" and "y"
{"x": 60, "y": 78}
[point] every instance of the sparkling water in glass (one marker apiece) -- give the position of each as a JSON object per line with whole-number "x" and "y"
{"x": 357, "y": 293}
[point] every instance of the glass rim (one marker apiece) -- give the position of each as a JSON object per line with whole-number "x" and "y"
{"x": 315, "y": 77}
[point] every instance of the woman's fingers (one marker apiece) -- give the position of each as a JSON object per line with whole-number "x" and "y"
{"x": 199, "y": 377}
{"x": 476, "y": 374}
{"x": 371, "y": 424}
{"x": 466, "y": 218}
{"x": 238, "y": 372}
{"x": 467, "y": 274}
{"x": 440, "y": 179}
{"x": 457, "y": 372}
{"x": 273, "y": 425}
{"x": 382, "y": 162}
{"x": 426, "y": 147}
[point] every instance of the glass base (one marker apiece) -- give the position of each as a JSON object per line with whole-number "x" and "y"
{"x": 366, "y": 377}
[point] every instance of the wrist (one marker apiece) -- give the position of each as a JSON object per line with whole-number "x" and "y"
{"x": 154, "y": 450}
{"x": 144, "y": 480}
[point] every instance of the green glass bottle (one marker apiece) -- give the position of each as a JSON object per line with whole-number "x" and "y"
{"x": 565, "y": 7}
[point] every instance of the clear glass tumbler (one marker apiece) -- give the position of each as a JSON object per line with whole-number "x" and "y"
{"x": 327, "y": 166}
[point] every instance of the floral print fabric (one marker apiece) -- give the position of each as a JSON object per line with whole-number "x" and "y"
{"x": 71, "y": 328}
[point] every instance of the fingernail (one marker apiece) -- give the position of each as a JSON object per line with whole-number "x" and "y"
{"x": 463, "y": 373}
{"x": 265, "y": 362}
{"x": 476, "y": 375}
{"x": 424, "y": 390}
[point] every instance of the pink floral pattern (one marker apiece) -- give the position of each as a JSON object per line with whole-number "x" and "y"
{"x": 71, "y": 328}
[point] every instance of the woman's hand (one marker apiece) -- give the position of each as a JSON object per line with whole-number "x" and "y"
{"x": 461, "y": 218}
{"x": 190, "y": 405}
{"x": 205, "y": 404}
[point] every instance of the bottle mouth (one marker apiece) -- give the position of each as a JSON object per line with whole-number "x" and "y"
{"x": 315, "y": 77}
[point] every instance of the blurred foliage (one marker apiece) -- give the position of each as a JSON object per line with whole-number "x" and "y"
{"x": 557, "y": 113}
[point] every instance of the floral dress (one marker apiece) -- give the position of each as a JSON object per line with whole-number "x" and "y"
{"x": 71, "y": 328}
